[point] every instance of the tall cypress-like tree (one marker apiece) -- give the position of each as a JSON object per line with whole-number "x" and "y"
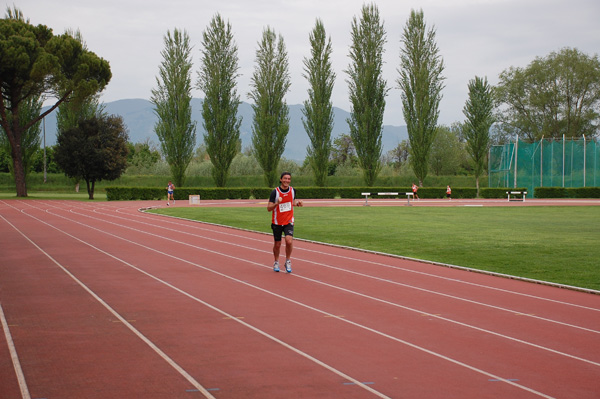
{"x": 172, "y": 104}
{"x": 479, "y": 110}
{"x": 421, "y": 83}
{"x": 217, "y": 79}
{"x": 367, "y": 90}
{"x": 318, "y": 109}
{"x": 270, "y": 82}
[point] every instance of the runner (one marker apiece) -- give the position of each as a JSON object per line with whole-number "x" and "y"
{"x": 170, "y": 189}
{"x": 415, "y": 189}
{"x": 281, "y": 203}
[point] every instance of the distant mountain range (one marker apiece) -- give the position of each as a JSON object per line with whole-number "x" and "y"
{"x": 140, "y": 119}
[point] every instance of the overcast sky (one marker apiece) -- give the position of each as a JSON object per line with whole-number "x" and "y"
{"x": 475, "y": 38}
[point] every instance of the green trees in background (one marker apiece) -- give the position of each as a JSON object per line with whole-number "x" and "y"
{"x": 553, "y": 96}
{"x": 217, "y": 79}
{"x": 172, "y": 105}
{"x": 30, "y": 137}
{"x": 367, "y": 90}
{"x": 478, "y": 110}
{"x": 318, "y": 109}
{"x": 270, "y": 82}
{"x": 94, "y": 150}
{"x": 445, "y": 153}
{"x": 421, "y": 83}
{"x": 36, "y": 63}
{"x": 70, "y": 112}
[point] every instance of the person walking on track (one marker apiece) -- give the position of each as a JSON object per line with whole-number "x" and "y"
{"x": 281, "y": 204}
{"x": 448, "y": 192}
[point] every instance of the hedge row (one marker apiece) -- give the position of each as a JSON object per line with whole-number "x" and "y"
{"x": 563, "y": 192}
{"x": 153, "y": 193}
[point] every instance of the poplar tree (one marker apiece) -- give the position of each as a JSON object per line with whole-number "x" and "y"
{"x": 271, "y": 124}
{"x": 172, "y": 104}
{"x": 478, "y": 110}
{"x": 367, "y": 90}
{"x": 318, "y": 109}
{"x": 421, "y": 84}
{"x": 217, "y": 79}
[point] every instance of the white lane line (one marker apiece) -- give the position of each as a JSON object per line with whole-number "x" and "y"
{"x": 348, "y": 290}
{"x": 156, "y": 349}
{"x": 232, "y": 317}
{"x": 13, "y": 354}
{"x": 377, "y": 332}
{"x": 166, "y": 217}
{"x": 511, "y": 311}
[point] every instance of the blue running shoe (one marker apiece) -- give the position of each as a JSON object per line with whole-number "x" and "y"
{"x": 288, "y": 266}
{"x": 276, "y": 266}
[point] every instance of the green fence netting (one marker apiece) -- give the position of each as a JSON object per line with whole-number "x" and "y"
{"x": 565, "y": 162}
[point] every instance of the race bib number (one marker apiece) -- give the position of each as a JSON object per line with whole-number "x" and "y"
{"x": 285, "y": 207}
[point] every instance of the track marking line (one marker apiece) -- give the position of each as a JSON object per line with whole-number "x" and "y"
{"x": 156, "y": 349}
{"x": 167, "y": 217}
{"x": 334, "y": 286}
{"x": 409, "y": 344}
{"x": 14, "y": 355}
{"x": 347, "y": 271}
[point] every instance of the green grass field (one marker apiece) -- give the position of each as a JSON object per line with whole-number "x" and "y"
{"x": 555, "y": 244}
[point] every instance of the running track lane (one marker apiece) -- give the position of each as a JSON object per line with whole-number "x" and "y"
{"x": 100, "y": 300}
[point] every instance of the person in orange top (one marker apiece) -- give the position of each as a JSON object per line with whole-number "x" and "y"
{"x": 415, "y": 189}
{"x": 448, "y": 192}
{"x": 281, "y": 203}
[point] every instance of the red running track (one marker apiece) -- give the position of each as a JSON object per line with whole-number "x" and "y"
{"x": 103, "y": 301}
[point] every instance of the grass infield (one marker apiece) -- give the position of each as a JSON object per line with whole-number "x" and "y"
{"x": 554, "y": 244}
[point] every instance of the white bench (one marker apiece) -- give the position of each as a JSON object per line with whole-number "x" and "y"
{"x": 515, "y": 195}
{"x": 408, "y": 195}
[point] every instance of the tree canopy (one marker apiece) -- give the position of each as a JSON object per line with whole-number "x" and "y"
{"x": 421, "y": 83}
{"x": 553, "y": 96}
{"x": 36, "y": 63}
{"x": 479, "y": 113}
{"x": 217, "y": 79}
{"x": 172, "y": 104}
{"x": 367, "y": 90}
{"x": 271, "y": 124}
{"x": 318, "y": 109}
{"x": 94, "y": 150}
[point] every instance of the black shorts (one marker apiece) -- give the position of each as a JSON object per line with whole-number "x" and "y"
{"x": 288, "y": 230}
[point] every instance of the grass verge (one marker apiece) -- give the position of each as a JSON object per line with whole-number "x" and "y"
{"x": 554, "y": 244}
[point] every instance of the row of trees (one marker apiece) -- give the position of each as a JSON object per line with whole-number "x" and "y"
{"x": 420, "y": 81}
{"x": 552, "y": 96}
